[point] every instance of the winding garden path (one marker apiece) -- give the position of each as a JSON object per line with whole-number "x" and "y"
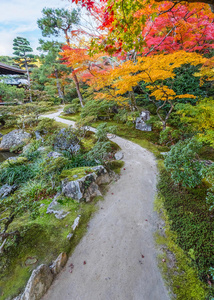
{"x": 116, "y": 259}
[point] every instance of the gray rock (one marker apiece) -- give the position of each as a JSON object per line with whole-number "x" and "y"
{"x": 118, "y": 155}
{"x": 83, "y": 188}
{"x": 145, "y": 115}
{"x": 17, "y": 298}
{"x": 140, "y": 122}
{"x": 59, "y": 263}
{"x": 102, "y": 175}
{"x": 76, "y": 223}
{"x": 39, "y": 282}
{"x": 6, "y": 190}
{"x": 141, "y": 125}
{"x": 207, "y": 163}
{"x": 42, "y": 149}
{"x": 67, "y": 140}
{"x": 54, "y": 154}
{"x": 1, "y": 135}
{"x": 59, "y": 214}
{"x": 164, "y": 153}
{"x": 72, "y": 189}
{"x": 69, "y": 236}
{"x": 13, "y": 139}
{"x": 26, "y": 148}
{"x": 92, "y": 191}
{"x": 38, "y": 135}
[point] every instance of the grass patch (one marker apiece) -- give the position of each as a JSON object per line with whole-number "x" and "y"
{"x": 71, "y": 117}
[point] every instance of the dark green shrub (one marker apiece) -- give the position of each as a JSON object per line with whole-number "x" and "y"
{"x": 183, "y": 163}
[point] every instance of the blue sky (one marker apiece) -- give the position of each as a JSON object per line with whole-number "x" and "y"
{"x": 19, "y": 18}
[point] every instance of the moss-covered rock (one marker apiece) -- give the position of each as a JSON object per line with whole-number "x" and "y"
{"x": 75, "y": 173}
{"x": 12, "y": 161}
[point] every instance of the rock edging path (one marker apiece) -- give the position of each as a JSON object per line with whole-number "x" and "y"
{"x": 116, "y": 259}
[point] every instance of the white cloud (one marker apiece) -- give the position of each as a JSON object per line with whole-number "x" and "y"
{"x": 19, "y": 18}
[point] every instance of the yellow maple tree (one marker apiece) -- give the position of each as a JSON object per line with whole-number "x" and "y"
{"x": 120, "y": 80}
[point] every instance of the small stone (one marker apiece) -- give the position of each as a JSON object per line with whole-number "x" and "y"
{"x": 119, "y": 155}
{"x": 54, "y": 154}
{"x": 59, "y": 263}
{"x": 69, "y": 236}
{"x": 31, "y": 261}
{"x": 76, "y": 222}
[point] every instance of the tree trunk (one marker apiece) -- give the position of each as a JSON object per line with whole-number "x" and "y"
{"x": 28, "y": 78}
{"x": 133, "y": 100}
{"x": 78, "y": 88}
{"x": 58, "y": 86}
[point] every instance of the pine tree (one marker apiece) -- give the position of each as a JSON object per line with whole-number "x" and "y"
{"x": 24, "y": 58}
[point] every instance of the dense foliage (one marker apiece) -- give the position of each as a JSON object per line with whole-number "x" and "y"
{"x": 130, "y": 58}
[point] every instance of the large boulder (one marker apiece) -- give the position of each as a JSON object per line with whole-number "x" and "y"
{"x": 13, "y": 139}
{"x": 86, "y": 188}
{"x": 39, "y": 282}
{"x": 67, "y": 140}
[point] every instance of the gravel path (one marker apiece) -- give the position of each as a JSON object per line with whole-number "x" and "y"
{"x": 116, "y": 259}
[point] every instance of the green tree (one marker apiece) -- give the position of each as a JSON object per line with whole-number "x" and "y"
{"x": 24, "y": 58}
{"x": 57, "y": 21}
{"x": 51, "y": 65}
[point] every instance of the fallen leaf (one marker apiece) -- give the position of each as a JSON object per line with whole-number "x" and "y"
{"x": 71, "y": 266}
{"x": 142, "y": 256}
{"x": 84, "y": 263}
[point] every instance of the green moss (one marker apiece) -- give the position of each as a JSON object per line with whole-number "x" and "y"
{"x": 115, "y": 165}
{"x": 76, "y": 173}
{"x": 88, "y": 143}
{"x": 179, "y": 274}
{"x": 207, "y": 153}
{"x": 37, "y": 238}
{"x": 5, "y": 130}
{"x": 192, "y": 227}
{"x": 17, "y": 161}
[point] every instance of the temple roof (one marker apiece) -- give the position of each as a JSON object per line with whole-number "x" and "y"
{"x": 5, "y": 69}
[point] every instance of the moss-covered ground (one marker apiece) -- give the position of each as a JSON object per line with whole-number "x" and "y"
{"x": 189, "y": 235}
